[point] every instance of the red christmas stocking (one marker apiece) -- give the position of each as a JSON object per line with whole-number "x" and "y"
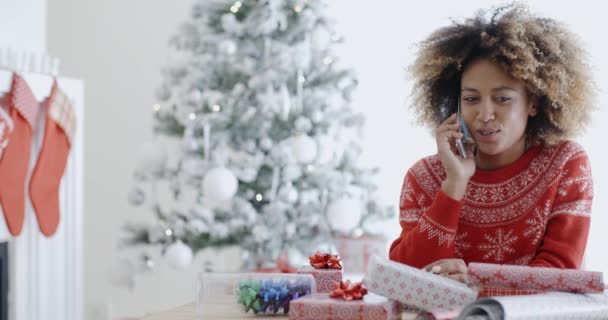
{"x": 59, "y": 132}
{"x": 15, "y": 159}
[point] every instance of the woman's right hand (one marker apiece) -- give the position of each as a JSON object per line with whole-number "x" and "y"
{"x": 458, "y": 171}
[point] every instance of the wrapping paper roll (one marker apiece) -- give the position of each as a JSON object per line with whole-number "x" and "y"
{"x": 535, "y": 278}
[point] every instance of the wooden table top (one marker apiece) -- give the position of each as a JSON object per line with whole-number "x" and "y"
{"x": 189, "y": 312}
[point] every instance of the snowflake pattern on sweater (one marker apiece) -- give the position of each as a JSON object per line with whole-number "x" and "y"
{"x": 535, "y": 211}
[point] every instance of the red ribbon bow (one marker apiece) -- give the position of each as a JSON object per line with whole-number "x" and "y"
{"x": 325, "y": 261}
{"x": 348, "y": 291}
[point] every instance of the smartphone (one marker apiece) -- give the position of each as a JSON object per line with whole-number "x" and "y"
{"x": 466, "y": 135}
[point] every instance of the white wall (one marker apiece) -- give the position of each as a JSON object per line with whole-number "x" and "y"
{"x": 23, "y": 24}
{"x": 118, "y": 47}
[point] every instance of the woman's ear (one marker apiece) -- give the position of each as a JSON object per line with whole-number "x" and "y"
{"x": 533, "y": 106}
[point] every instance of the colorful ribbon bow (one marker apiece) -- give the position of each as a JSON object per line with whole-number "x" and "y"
{"x": 325, "y": 261}
{"x": 348, "y": 291}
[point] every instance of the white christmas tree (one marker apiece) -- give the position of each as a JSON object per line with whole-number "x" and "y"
{"x": 269, "y": 154}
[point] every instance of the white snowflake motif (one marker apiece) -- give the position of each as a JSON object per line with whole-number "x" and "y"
{"x": 582, "y": 179}
{"x": 511, "y": 189}
{"x": 537, "y": 223}
{"x": 478, "y": 194}
{"x": 460, "y": 245}
{"x": 500, "y": 244}
{"x": 496, "y": 194}
{"x": 421, "y": 200}
{"x": 407, "y": 192}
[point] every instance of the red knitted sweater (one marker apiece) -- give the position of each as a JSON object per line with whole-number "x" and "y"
{"x": 534, "y": 212}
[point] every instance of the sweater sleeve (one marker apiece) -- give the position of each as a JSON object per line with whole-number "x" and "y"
{"x": 565, "y": 239}
{"x": 428, "y": 225}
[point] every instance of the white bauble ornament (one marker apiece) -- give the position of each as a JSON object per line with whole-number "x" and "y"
{"x": 344, "y": 214}
{"x": 219, "y": 184}
{"x": 153, "y": 157}
{"x": 265, "y": 144}
{"x": 326, "y": 149}
{"x": 122, "y": 273}
{"x": 316, "y": 116}
{"x": 288, "y": 193}
{"x": 195, "y": 96}
{"x": 304, "y": 148}
{"x": 178, "y": 256}
{"x": 227, "y": 47}
{"x": 303, "y": 124}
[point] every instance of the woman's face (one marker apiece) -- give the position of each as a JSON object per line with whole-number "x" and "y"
{"x": 495, "y": 107}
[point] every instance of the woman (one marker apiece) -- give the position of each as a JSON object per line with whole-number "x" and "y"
{"x": 522, "y": 194}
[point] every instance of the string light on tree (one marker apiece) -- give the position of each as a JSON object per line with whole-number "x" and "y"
{"x": 168, "y": 232}
{"x": 328, "y": 60}
{"x": 259, "y": 197}
{"x": 192, "y": 116}
{"x": 216, "y": 108}
{"x": 235, "y": 7}
{"x": 156, "y": 107}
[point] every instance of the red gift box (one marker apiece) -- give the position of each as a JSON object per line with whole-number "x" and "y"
{"x": 322, "y": 307}
{"x": 324, "y": 278}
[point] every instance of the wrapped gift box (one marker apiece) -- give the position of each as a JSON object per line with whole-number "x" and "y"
{"x": 535, "y": 278}
{"x": 324, "y": 278}
{"x": 415, "y": 287}
{"x": 322, "y": 307}
{"x": 233, "y": 294}
{"x": 356, "y": 251}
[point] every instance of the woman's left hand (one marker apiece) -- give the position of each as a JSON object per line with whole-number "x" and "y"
{"x": 455, "y": 269}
